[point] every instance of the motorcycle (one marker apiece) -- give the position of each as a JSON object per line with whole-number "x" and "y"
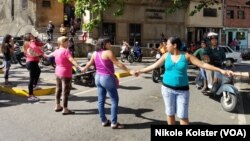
{"x": 132, "y": 56}
{"x": 80, "y": 78}
{"x": 48, "y": 61}
{"x": 156, "y": 75}
{"x": 18, "y": 57}
{"x": 124, "y": 56}
{"x": 229, "y": 95}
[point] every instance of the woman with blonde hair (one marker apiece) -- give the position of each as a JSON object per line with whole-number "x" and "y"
{"x": 63, "y": 72}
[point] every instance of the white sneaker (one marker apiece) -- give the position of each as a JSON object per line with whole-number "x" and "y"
{"x": 36, "y": 88}
{"x": 33, "y": 99}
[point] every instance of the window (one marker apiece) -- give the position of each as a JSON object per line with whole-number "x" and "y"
{"x": 109, "y": 29}
{"x": 134, "y": 33}
{"x": 230, "y": 14}
{"x": 24, "y": 4}
{"x": 46, "y": 3}
{"x": 210, "y": 12}
{"x": 241, "y": 14}
{"x": 240, "y": 36}
{"x": 225, "y": 49}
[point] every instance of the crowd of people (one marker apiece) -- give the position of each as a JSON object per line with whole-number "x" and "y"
{"x": 175, "y": 83}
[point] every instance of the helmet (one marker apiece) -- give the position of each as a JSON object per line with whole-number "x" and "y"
{"x": 212, "y": 35}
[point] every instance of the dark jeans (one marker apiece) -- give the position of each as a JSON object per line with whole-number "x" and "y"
{"x": 50, "y": 35}
{"x": 35, "y": 71}
{"x": 63, "y": 86}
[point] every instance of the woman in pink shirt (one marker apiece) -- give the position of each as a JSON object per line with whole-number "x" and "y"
{"x": 63, "y": 72}
{"x": 33, "y": 52}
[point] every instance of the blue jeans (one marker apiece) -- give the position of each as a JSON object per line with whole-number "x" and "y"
{"x": 176, "y": 102}
{"x": 7, "y": 65}
{"x": 106, "y": 84}
{"x": 203, "y": 73}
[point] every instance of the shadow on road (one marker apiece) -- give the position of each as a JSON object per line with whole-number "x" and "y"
{"x": 129, "y": 87}
{"x": 89, "y": 99}
{"x": 245, "y": 98}
{"x": 7, "y": 100}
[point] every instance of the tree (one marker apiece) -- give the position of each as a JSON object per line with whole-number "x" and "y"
{"x": 96, "y": 7}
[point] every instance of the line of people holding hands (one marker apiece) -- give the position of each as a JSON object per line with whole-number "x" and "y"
{"x": 175, "y": 83}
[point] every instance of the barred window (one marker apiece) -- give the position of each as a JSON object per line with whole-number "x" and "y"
{"x": 210, "y": 12}
{"x": 230, "y": 14}
{"x": 241, "y": 14}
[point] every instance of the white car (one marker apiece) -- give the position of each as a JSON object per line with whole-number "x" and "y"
{"x": 231, "y": 55}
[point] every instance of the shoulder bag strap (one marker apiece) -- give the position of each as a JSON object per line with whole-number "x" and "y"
{"x": 103, "y": 63}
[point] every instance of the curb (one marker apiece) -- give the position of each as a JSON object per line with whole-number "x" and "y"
{"x": 22, "y": 92}
{"x": 122, "y": 74}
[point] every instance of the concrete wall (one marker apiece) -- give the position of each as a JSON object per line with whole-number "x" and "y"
{"x": 23, "y": 15}
{"x": 53, "y": 13}
{"x": 83, "y": 49}
{"x": 198, "y": 20}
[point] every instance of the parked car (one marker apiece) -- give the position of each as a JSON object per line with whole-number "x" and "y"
{"x": 245, "y": 54}
{"x": 231, "y": 55}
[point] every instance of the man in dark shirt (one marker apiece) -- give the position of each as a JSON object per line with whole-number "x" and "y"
{"x": 216, "y": 56}
{"x": 50, "y": 30}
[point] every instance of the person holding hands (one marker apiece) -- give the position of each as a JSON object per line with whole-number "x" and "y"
{"x": 175, "y": 84}
{"x": 105, "y": 80}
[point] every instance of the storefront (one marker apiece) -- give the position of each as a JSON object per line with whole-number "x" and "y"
{"x": 240, "y": 35}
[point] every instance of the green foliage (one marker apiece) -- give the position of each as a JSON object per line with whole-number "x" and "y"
{"x": 96, "y": 7}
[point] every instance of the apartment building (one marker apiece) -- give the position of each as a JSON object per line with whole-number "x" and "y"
{"x": 236, "y": 23}
{"x": 208, "y": 19}
{"x": 143, "y": 21}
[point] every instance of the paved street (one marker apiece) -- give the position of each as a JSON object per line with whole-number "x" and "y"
{"x": 140, "y": 106}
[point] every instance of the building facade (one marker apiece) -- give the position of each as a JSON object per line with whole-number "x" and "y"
{"x": 20, "y": 16}
{"x": 208, "y": 19}
{"x": 236, "y": 22}
{"x": 142, "y": 21}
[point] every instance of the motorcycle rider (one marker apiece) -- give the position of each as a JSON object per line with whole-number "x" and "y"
{"x": 125, "y": 48}
{"x": 216, "y": 56}
{"x": 162, "y": 48}
{"x": 199, "y": 53}
{"x": 137, "y": 50}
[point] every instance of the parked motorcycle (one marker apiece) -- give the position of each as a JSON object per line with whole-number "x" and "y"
{"x": 88, "y": 77}
{"x": 156, "y": 75}
{"x": 124, "y": 56}
{"x": 18, "y": 57}
{"x": 225, "y": 89}
{"x": 48, "y": 61}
